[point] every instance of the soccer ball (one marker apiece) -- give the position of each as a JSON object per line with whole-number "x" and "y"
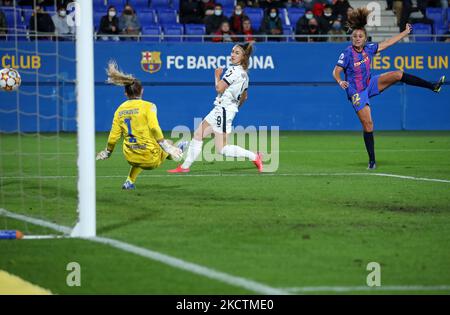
{"x": 9, "y": 79}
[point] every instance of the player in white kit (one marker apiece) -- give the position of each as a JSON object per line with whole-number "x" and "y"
{"x": 232, "y": 93}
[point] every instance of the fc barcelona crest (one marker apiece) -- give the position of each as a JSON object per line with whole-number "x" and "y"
{"x": 151, "y": 61}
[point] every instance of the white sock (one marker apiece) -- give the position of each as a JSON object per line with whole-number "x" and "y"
{"x": 235, "y": 151}
{"x": 195, "y": 148}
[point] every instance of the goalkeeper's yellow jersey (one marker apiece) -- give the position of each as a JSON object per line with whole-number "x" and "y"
{"x": 136, "y": 120}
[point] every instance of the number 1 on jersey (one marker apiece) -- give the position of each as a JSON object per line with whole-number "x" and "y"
{"x": 132, "y": 139}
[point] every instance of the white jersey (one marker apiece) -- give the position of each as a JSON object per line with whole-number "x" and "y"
{"x": 237, "y": 79}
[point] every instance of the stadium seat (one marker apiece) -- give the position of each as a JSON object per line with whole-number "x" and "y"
{"x": 147, "y": 17}
{"x": 256, "y": 16}
{"x": 175, "y": 4}
{"x": 97, "y": 18}
{"x": 173, "y": 29}
{"x": 139, "y": 5}
{"x": 99, "y": 6}
{"x": 151, "y": 30}
{"x": 194, "y": 29}
{"x": 119, "y": 4}
{"x": 282, "y": 12}
{"x": 228, "y": 12}
{"x": 287, "y": 30}
{"x": 167, "y": 16}
{"x": 422, "y": 29}
{"x": 295, "y": 14}
{"x": 160, "y": 4}
{"x": 437, "y": 15}
{"x": 227, "y": 3}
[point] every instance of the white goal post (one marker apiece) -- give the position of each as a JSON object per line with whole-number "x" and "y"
{"x": 86, "y": 226}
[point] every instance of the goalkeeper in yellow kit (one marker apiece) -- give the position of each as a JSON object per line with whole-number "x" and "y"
{"x": 144, "y": 145}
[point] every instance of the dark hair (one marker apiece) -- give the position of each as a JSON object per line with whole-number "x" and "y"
{"x": 248, "y": 49}
{"x": 358, "y": 19}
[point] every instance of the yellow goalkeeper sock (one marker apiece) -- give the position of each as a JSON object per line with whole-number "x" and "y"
{"x": 134, "y": 172}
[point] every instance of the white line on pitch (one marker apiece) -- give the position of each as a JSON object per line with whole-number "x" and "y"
{"x": 242, "y": 174}
{"x": 160, "y": 257}
{"x": 370, "y": 289}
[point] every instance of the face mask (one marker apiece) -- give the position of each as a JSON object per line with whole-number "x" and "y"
{"x": 327, "y": 14}
{"x": 238, "y": 12}
{"x": 112, "y": 13}
{"x": 273, "y": 15}
{"x": 312, "y": 27}
{"x": 309, "y": 16}
{"x": 62, "y": 13}
{"x": 308, "y": 1}
{"x": 337, "y": 26}
{"x": 205, "y": 1}
{"x": 127, "y": 12}
{"x": 218, "y": 12}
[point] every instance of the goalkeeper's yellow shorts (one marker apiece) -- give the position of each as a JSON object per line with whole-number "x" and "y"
{"x": 149, "y": 161}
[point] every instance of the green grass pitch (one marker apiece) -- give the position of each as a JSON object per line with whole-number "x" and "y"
{"x": 313, "y": 223}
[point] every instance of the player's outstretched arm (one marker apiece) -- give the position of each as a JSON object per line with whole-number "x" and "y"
{"x": 391, "y": 41}
{"x": 170, "y": 149}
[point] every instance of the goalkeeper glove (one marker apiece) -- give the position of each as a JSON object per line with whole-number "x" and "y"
{"x": 173, "y": 151}
{"x": 103, "y": 155}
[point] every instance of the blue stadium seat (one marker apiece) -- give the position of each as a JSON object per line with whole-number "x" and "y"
{"x": 256, "y": 16}
{"x": 295, "y": 14}
{"x": 160, "y": 4}
{"x": 139, "y": 5}
{"x": 194, "y": 29}
{"x": 99, "y": 6}
{"x": 167, "y": 16}
{"x": 119, "y": 4}
{"x": 227, "y": 3}
{"x": 151, "y": 30}
{"x": 228, "y": 12}
{"x": 287, "y": 30}
{"x": 97, "y": 18}
{"x": 175, "y": 4}
{"x": 422, "y": 29}
{"x": 437, "y": 15}
{"x": 147, "y": 17}
{"x": 282, "y": 12}
{"x": 173, "y": 29}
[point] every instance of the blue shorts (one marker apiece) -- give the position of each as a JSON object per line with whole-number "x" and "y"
{"x": 359, "y": 100}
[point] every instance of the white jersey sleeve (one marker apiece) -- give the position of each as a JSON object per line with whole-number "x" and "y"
{"x": 237, "y": 79}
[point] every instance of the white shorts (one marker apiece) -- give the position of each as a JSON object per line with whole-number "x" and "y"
{"x": 220, "y": 119}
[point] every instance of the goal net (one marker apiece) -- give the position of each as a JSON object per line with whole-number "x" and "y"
{"x": 43, "y": 181}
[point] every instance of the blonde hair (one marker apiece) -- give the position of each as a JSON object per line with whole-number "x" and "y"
{"x": 133, "y": 87}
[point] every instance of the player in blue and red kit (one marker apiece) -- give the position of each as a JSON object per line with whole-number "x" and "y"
{"x": 360, "y": 85}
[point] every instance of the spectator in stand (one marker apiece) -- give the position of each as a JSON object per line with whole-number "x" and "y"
{"x": 336, "y": 29}
{"x": 213, "y": 22}
{"x": 272, "y": 25}
{"x": 207, "y": 7}
{"x": 7, "y": 3}
{"x": 414, "y": 11}
{"x": 129, "y": 23}
{"x": 109, "y": 25}
{"x": 301, "y": 27}
{"x": 191, "y": 11}
{"x": 3, "y": 25}
{"x": 318, "y": 9}
{"x": 250, "y": 3}
{"x": 41, "y": 23}
{"x": 308, "y": 4}
{"x": 294, "y": 4}
{"x": 247, "y": 31}
{"x": 314, "y": 29}
{"x": 345, "y": 27}
{"x": 62, "y": 29}
{"x": 340, "y": 7}
{"x": 327, "y": 19}
{"x": 237, "y": 19}
{"x": 224, "y": 34}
